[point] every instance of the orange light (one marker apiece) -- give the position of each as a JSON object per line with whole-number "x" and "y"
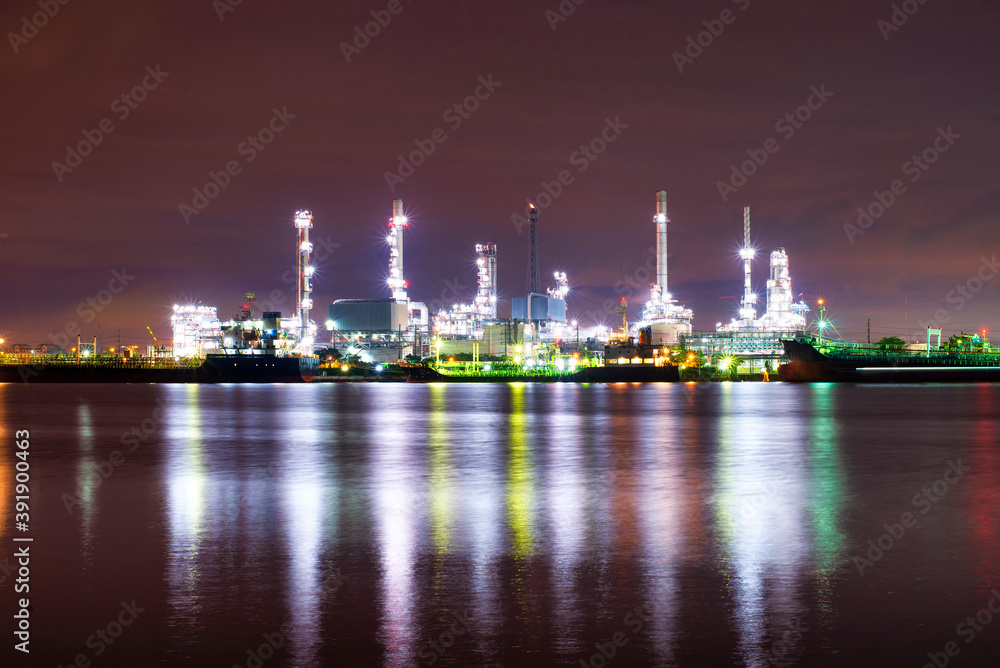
{"x": 820, "y": 302}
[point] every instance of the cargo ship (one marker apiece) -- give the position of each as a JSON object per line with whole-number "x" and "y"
{"x": 221, "y": 368}
{"x": 810, "y": 361}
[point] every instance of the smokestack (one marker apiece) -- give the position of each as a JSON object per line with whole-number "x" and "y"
{"x": 749, "y": 310}
{"x": 534, "y": 274}
{"x": 303, "y": 223}
{"x": 398, "y": 217}
{"x": 661, "y": 221}
{"x": 396, "y": 281}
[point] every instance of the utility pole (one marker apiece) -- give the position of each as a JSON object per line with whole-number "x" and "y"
{"x": 869, "y": 330}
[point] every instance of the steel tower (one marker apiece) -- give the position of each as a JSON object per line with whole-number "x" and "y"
{"x": 304, "y": 223}
{"x": 534, "y": 274}
{"x": 486, "y": 296}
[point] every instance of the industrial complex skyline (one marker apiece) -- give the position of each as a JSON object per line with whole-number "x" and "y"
{"x": 155, "y": 158}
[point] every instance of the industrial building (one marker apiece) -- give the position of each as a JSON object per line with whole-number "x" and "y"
{"x": 467, "y": 321}
{"x": 541, "y": 308}
{"x": 371, "y": 318}
{"x": 667, "y": 320}
{"x": 197, "y": 330}
{"x": 545, "y": 311}
{"x": 750, "y": 343}
{"x": 782, "y": 314}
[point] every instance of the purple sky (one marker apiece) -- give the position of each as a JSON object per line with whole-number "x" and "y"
{"x": 61, "y": 240}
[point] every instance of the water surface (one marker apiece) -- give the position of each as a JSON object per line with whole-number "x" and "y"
{"x": 506, "y": 525}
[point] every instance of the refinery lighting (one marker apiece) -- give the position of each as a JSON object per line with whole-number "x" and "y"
{"x": 661, "y": 309}
{"x": 196, "y": 330}
{"x": 397, "y": 224}
{"x": 561, "y": 290}
{"x": 304, "y": 223}
{"x": 782, "y": 313}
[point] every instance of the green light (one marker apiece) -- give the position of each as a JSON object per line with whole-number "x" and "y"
{"x": 441, "y": 493}
{"x": 520, "y": 501}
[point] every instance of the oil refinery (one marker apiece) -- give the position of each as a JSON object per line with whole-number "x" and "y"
{"x": 469, "y": 337}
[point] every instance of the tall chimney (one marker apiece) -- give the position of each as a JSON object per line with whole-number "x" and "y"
{"x": 661, "y": 242}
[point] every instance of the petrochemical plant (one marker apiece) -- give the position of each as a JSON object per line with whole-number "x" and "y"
{"x": 389, "y": 328}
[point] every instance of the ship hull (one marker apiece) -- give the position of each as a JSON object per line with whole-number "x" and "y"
{"x": 215, "y": 369}
{"x": 808, "y": 365}
{"x": 627, "y": 373}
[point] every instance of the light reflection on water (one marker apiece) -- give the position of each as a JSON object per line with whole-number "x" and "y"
{"x": 760, "y": 516}
{"x": 521, "y": 524}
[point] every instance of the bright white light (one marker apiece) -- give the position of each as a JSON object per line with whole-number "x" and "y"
{"x": 378, "y": 368}
{"x": 661, "y": 217}
{"x": 310, "y": 271}
{"x": 487, "y": 367}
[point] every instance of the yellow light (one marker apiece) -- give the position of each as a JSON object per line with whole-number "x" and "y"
{"x": 345, "y": 367}
{"x": 820, "y": 302}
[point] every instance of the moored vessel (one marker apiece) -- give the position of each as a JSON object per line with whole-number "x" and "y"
{"x": 810, "y": 361}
